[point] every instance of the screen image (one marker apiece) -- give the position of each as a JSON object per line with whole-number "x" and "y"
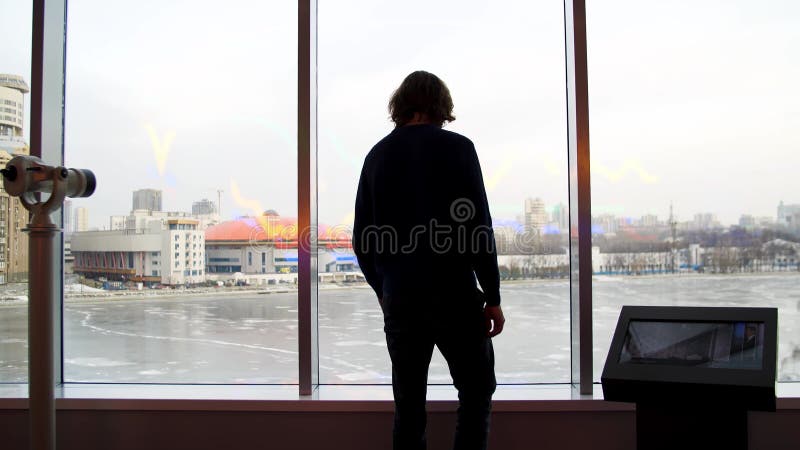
{"x": 727, "y": 345}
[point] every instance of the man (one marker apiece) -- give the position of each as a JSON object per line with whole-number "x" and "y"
{"x": 422, "y": 234}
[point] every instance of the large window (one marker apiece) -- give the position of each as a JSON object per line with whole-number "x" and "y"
{"x": 186, "y": 113}
{"x": 694, "y": 128}
{"x": 504, "y": 65}
{"x": 184, "y": 265}
{"x": 15, "y": 80}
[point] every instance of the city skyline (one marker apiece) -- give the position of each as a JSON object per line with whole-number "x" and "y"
{"x": 674, "y": 153}
{"x": 550, "y": 214}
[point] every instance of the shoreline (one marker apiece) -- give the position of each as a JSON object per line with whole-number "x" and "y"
{"x": 150, "y": 295}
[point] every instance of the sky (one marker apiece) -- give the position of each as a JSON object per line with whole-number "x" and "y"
{"x": 691, "y": 103}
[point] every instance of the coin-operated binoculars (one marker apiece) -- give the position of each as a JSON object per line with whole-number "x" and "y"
{"x": 27, "y": 177}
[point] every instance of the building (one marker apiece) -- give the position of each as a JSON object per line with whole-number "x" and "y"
{"x": 204, "y": 207}
{"x": 117, "y": 222}
{"x": 560, "y": 216}
{"x": 172, "y": 253}
{"x": 68, "y": 222}
{"x": 147, "y": 199}
{"x": 252, "y": 245}
{"x": 69, "y": 258}
{"x": 12, "y": 105}
{"x": 267, "y": 244}
{"x": 535, "y": 214}
{"x": 81, "y": 219}
{"x": 206, "y": 212}
{"x": 705, "y": 221}
{"x": 649, "y": 221}
{"x": 13, "y": 241}
{"x": 747, "y": 221}
{"x": 789, "y": 215}
{"x": 506, "y": 235}
{"x": 605, "y": 224}
{"x": 13, "y": 216}
{"x": 140, "y": 219}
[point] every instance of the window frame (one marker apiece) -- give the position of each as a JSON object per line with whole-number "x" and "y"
{"x": 47, "y": 142}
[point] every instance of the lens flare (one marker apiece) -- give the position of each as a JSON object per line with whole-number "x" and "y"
{"x": 268, "y": 224}
{"x": 161, "y": 147}
{"x": 628, "y": 166}
{"x": 499, "y": 173}
{"x": 348, "y": 219}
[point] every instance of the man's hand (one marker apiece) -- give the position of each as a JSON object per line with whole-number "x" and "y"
{"x": 494, "y": 320}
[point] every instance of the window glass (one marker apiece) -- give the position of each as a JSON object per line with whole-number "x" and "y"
{"x": 504, "y": 65}
{"x": 694, "y": 127}
{"x": 15, "y": 79}
{"x": 139, "y": 80}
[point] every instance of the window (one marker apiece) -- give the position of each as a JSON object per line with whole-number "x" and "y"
{"x": 673, "y": 128}
{"x": 519, "y": 131}
{"x": 223, "y": 259}
{"x": 694, "y": 185}
{"x": 15, "y": 34}
{"x": 170, "y": 69}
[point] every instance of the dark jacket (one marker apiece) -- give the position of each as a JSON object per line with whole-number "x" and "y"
{"x": 422, "y": 222}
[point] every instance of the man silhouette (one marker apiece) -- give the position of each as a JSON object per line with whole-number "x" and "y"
{"x": 422, "y": 233}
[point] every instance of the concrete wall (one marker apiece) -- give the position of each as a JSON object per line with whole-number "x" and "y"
{"x": 115, "y": 241}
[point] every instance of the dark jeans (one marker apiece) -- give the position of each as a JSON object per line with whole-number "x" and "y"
{"x": 456, "y": 325}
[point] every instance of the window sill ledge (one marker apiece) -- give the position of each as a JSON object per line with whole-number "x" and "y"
{"x": 326, "y": 398}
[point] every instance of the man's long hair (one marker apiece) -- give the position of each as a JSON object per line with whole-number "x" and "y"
{"x": 421, "y": 92}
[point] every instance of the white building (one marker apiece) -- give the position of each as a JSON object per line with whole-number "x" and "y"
{"x": 172, "y": 253}
{"x": 140, "y": 219}
{"x": 535, "y": 214}
{"x": 13, "y": 217}
{"x": 68, "y": 222}
{"x": 117, "y": 222}
{"x": 81, "y": 219}
{"x": 12, "y": 105}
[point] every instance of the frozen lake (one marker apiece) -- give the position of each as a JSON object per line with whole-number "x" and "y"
{"x": 252, "y": 338}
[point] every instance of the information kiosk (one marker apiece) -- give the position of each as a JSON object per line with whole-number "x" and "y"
{"x": 693, "y": 373}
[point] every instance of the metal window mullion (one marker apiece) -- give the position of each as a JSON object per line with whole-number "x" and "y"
{"x": 308, "y": 346}
{"x": 45, "y": 328}
{"x": 579, "y": 195}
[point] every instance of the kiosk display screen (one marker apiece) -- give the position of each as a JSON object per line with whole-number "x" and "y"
{"x": 725, "y": 345}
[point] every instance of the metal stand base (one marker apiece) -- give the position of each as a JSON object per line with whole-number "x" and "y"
{"x": 689, "y": 427}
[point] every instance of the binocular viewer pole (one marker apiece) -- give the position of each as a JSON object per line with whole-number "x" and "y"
{"x": 42, "y": 298}
{"x": 25, "y": 177}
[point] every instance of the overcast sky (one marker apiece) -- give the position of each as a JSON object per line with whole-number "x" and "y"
{"x": 695, "y": 103}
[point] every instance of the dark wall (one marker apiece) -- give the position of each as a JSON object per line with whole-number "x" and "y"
{"x": 201, "y": 430}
